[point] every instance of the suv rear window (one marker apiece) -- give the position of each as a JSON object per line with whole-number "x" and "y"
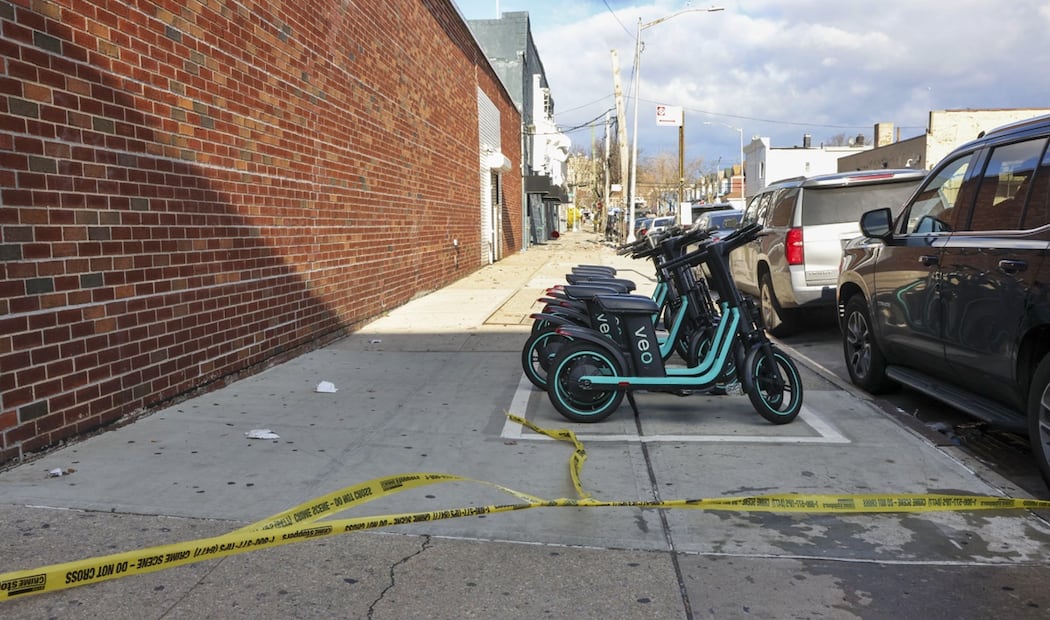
{"x": 836, "y": 205}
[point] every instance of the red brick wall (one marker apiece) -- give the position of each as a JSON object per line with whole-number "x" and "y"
{"x": 189, "y": 189}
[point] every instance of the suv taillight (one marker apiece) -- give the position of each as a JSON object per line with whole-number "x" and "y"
{"x": 793, "y": 250}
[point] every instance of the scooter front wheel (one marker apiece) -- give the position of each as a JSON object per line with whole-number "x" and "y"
{"x": 576, "y": 360}
{"x": 776, "y": 387}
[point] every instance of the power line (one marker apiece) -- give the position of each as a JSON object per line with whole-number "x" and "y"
{"x": 591, "y": 123}
{"x": 625, "y": 28}
{"x": 584, "y": 105}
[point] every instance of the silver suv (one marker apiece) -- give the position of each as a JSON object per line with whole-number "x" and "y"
{"x": 808, "y": 220}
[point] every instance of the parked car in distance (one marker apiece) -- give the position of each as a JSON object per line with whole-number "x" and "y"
{"x": 720, "y": 223}
{"x": 661, "y": 224}
{"x": 641, "y": 226}
{"x": 950, "y": 297}
{"x": 699, "y": 208}
{"x": 794, "y": 266}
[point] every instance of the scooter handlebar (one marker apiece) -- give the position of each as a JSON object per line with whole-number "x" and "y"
{"x": 741, "y": 236}
{"x": 723, "y": 246}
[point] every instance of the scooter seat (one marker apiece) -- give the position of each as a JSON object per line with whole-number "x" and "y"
{"x": 596, "y": 269}
{"x": 573, "y": 278}
{"x": 586, "y": 291}
{"x": 627, "y": 304}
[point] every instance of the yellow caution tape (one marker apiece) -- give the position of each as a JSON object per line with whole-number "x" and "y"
{"x": 301, "y": 522}
{"x": 578, "y": 456}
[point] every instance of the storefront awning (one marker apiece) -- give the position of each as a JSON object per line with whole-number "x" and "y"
{"x": 537, "y": 184}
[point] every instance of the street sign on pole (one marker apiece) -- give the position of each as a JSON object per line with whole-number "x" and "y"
{"x": 669, "y": 116}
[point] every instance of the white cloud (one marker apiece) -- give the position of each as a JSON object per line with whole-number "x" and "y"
{"x": 781, "y": 69}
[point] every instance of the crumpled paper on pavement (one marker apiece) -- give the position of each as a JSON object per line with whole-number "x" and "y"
{"x": 261, "y": 433}
{"x": 327, "y": 387}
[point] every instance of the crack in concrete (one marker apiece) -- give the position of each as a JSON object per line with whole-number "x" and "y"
{"x": 393, "y": 575}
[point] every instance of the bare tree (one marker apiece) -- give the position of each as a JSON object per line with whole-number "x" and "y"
{"x": 844, "y": 139}
{"x": 658, "y": 181}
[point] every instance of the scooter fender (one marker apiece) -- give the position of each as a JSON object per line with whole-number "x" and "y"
{"x": 573, "y": 304}
{"x": 743, "y": 356}
{"x": 585, "y": 334}
{"x": 555, "y": 319}
{"x": 573, "y": 314}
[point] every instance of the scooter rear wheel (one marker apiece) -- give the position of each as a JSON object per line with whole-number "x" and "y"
{"x": 776, "y": 391}
{"x": 576, "y": 360}
{"x": 536, "y": 355}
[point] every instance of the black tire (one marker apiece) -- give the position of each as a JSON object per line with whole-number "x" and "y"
{"x": 776, "y": 391}
{"x": 536, "y": 355}
{"x": 701, "y": 346}
{"x": 864, "y": 359}
{"x": 778, "y": 321}
{"x": 683, "y": 345}
{"x": 729, "y": 380}
{"x": 539, "y": 324}
{"x": 1039, "y": 417}
{"x": 576, "y": 360}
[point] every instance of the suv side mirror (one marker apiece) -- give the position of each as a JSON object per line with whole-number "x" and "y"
{"x": 877, "y": 224}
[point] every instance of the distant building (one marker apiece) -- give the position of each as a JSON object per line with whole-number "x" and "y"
{"x": 765, "y": 163}
{"x": 510, "y": 50}
{"x": 946, "y": 130}
{"x": 723, "y": 185}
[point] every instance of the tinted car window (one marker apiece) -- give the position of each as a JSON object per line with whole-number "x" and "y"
{"x": 1005, "y": 184}
{"x": 784, "y": 207}
{"x": 835, "y": 205}
{"x": 726, "y": 221}
{"x": 756, "y": 209}
{"x": 1037, "y": 213}
{"x": 934, "y": 208}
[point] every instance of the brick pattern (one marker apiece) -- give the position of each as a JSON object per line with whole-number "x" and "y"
{"x": 192, "y": 188}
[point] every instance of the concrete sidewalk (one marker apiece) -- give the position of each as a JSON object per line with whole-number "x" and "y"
{"x": 427, "y": 389}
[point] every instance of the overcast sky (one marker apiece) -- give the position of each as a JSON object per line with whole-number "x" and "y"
{"x": 784, "y": 68}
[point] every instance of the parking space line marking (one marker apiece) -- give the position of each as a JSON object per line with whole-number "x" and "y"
{"x": 518, "y": 406}
{"x": 828, "y": 434}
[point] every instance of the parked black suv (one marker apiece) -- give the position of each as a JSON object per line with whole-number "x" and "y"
{"x": 952, "y": 298}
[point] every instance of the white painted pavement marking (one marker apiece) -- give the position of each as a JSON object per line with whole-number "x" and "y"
{"x": 518, "y": 406}
{"x": 828, "y": 433}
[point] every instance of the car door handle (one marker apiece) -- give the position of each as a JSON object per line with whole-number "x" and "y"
{"x": 929, "y": 260}
{"x": 1008, "y": 265}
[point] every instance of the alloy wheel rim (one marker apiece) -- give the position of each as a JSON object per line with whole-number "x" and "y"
{"x": 859, "y": 344}
{"x": 1043, "y": 424}
{"x": 769, "y": 314}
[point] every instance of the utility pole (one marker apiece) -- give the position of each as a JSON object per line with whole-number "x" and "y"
{"x": 681, "y": 167}
{"x": 621, "y": 132}
{"x": 605, "y": 177}
{"x": 594, "y": 179}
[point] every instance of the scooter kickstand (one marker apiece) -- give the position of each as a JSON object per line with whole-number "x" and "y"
{"x": 634, "y": 405}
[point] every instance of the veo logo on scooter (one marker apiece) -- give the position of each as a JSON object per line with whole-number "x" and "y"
{"x": 643, "y": 346}
{"x": 603, "y": 324}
